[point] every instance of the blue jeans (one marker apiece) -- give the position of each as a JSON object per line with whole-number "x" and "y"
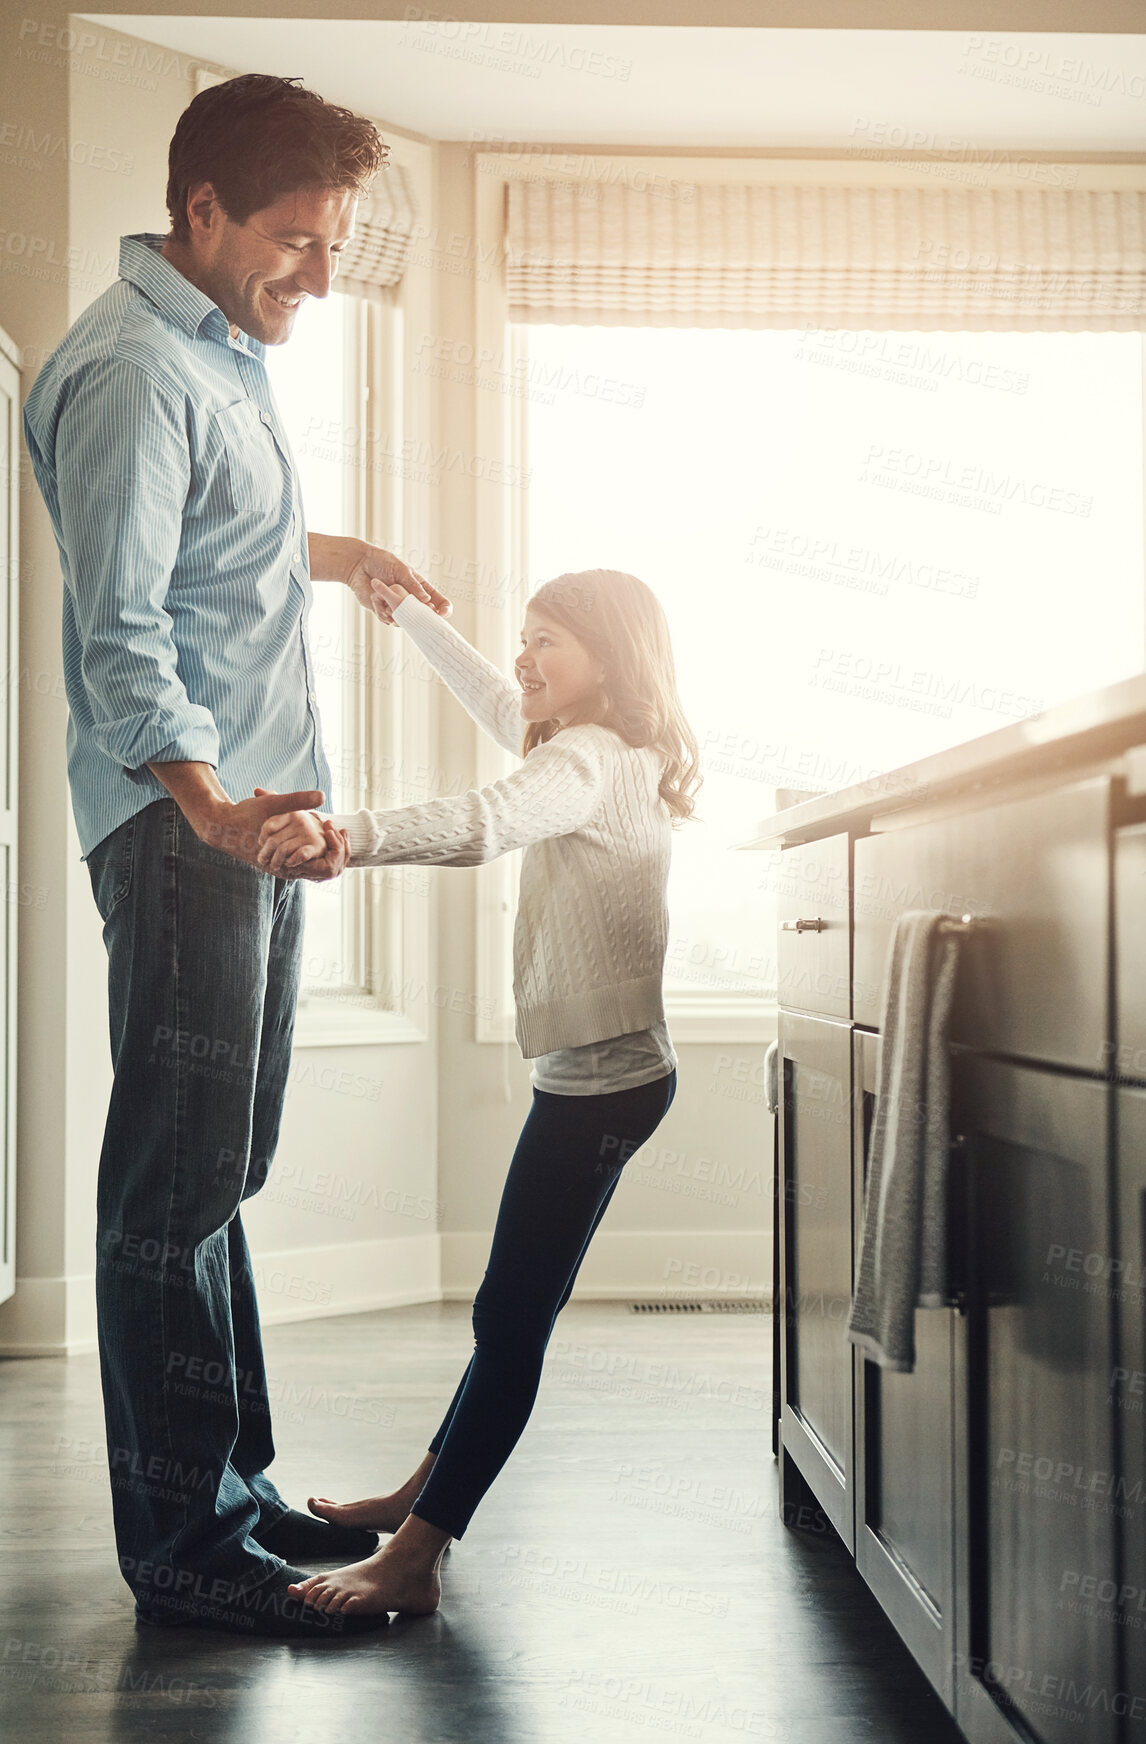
{"x": 564, "y": 1171}
{"x": 204, "y": 957}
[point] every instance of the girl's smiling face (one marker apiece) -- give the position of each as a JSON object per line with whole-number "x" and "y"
{"x": 560, "y": 680}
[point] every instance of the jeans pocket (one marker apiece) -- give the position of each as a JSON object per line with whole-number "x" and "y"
{"x": 110, "y": 865}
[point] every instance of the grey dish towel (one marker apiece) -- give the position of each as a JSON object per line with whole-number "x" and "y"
{"x": 903, "y": 1256}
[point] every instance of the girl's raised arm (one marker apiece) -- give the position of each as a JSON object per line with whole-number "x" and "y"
{"x": 488, "y": 695}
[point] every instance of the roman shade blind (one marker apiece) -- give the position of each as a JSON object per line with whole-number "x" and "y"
{"x": 790, "y": 254}
{"x": 376, "y": 254}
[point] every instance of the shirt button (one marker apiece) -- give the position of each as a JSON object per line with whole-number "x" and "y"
{"x": 266, "y": 418}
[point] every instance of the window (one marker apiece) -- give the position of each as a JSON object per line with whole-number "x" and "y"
{"x": 870, "y": 546}
{"x": 366, "y": 939}
{"x": 308, "y": 375}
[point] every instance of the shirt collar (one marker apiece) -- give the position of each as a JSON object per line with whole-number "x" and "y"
{"x": 141, "y": 263}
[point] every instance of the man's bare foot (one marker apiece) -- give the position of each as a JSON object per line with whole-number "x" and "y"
{"x": 403, "y": 1577}
{"x": 376, "y": 1513}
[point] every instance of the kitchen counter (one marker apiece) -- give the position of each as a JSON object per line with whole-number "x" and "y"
{"x": 1090, "y": 729}
{"x": 994, "y": 1498}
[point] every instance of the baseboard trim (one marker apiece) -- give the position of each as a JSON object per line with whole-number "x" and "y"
{"x": 56, "y": 1316}
{"x": 644, "y": 1265}
{"x": 49, "y": 1317}
{"x": 347, "y": 1278}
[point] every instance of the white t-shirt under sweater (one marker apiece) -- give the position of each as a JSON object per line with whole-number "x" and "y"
{"x": 600, "y": 1068}
{"x": 592, "y": 923}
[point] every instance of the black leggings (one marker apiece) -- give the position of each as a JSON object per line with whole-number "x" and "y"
{"x": 566, "y": 1165}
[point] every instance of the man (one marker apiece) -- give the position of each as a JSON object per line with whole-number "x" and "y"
{"x": 187, "y": 567}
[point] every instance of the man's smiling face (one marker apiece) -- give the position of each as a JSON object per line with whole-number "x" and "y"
{"x": 260, "y": 272}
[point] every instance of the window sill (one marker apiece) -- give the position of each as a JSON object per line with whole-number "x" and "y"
{"x": 364, "y": 1026}
{"x": 699, "y": 1017}
{"x": 691, "y": 1018}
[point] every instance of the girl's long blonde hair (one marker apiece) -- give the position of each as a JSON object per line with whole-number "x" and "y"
{"x": 622, "y": 624}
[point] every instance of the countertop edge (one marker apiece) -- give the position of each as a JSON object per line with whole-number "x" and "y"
{"x": 1098, "y": 723}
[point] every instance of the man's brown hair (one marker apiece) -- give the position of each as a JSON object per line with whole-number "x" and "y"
{"x": 258, "y": 137}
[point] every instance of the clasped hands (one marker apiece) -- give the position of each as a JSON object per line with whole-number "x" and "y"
{"x": 300, "y": 844}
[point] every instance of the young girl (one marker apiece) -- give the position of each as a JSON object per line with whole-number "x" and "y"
{"x": 609, "y": 765}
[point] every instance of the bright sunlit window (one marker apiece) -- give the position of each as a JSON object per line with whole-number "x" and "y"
{"x": 870, "y": 546}
{"x": 308, "y": 376}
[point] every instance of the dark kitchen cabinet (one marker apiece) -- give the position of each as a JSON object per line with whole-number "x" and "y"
{"x": 1036, "y": 1513}
{"x": 1128, "y": 1391}
{"x": 905, "y": 1454}
{"x": 1127, "y": 1055}
{"x": 813, "y": 950}
{"x": 994, "y": 1498}
{"x": 1034, "y": 872}
{"x": 815, "y": 1199}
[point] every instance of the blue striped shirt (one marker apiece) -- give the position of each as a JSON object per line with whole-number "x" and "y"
{"x": 162, "y": 459}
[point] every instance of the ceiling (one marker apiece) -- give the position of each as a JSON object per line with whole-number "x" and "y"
{"x": 880, "y": 90}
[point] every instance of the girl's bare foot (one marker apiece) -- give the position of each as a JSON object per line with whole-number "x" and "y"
{"x": 402, "y": 1576}
{"x": 376, "y": 1513}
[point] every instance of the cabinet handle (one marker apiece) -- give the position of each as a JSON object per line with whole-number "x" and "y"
{"x": 957, "y": 1236}
{"x": 803, "y": 926}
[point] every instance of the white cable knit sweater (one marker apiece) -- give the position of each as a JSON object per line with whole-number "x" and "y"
{"x": 592, "y": 923}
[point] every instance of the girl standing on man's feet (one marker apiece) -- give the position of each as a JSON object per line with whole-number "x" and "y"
{"x": 609, "y": 765}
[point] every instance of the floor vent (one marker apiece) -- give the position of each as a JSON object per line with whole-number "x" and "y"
{"x": 710, "y": 1305}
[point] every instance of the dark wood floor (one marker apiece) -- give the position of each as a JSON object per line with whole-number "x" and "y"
{"x": 626, "y": 1578}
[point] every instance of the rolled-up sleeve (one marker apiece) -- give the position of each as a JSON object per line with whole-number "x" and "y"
{"x": 123, "y": 472}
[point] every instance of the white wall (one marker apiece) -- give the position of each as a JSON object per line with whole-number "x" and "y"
{"x": 59, "y": 1011}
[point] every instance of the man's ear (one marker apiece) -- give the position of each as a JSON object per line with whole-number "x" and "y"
{"x": 204, "y": 213}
